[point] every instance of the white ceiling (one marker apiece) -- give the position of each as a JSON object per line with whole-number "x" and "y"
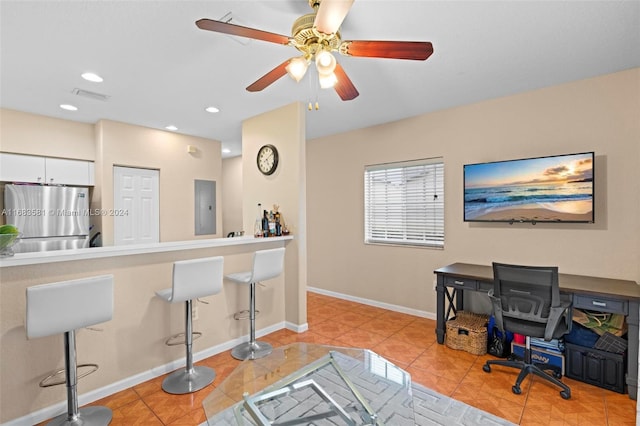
{"x": 160, "y": 69}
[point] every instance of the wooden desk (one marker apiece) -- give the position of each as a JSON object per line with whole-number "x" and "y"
{"x": 593, "y": 293}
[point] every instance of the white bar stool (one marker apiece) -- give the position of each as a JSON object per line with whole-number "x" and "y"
{"x": 267, "y": 264}
{"x": 63, "y": 307}
{"x": 192, "y": 279}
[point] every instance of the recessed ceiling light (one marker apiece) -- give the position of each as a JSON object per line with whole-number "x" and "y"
{"x": 89, "y": 76}
{"x": 172, "y": 128}
{"x": 212, "y": 109}
{"x": 226, "y": 151}
{"x": 69, "y": 107}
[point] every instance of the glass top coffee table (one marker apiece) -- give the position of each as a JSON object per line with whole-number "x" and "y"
{"x": 307, "y": 384}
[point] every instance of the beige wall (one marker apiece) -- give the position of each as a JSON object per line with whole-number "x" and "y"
{"x": 25, "y": 133}
{"x": 232, "y": 196}
{"x": 120, "y": 144}
{"x": 599, "y": 114}
{"x": 285, "y": 129}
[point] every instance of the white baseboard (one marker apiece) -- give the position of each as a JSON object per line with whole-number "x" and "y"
{"x": 388, "y": 306}
{"x": 297, "y": 328}
{"x": 96, "y": 394}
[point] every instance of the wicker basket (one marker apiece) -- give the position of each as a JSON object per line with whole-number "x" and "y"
{"x": 468, "y": 332}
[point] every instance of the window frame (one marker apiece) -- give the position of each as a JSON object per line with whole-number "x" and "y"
{"x": 403, "y": 222}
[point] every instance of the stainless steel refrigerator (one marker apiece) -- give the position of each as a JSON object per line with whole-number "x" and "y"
{"x": 49, "y": 217}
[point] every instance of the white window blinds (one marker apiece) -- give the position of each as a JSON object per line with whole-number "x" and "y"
{"x": 404, "y": 203}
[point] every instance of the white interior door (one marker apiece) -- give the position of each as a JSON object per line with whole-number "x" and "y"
{"x": 136, "y": 193}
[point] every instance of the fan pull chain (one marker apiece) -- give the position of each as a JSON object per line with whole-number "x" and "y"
{"x": 309, "y": 79}
{"x": 313, "y": 89}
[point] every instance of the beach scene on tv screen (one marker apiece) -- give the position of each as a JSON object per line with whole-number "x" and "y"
{"x": 548, "y": 189}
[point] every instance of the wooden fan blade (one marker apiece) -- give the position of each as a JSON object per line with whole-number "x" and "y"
{"x": 344, "y": 87}
{"x": 237, "y": 30}
{"x": 269, "y": 77}
{"x": 330, "y": 15}
{"x": 415, "y": 50}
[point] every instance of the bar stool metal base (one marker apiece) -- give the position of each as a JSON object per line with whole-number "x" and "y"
{"x": 251, "y": 350}
{"x": 185, "y": 381}
{"x": 89, "y": 416}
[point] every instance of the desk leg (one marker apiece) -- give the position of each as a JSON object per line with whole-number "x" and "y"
{"x": 440, "y": 296}
{"x": 632, "y": 352}
{"x": 459, "y": 299}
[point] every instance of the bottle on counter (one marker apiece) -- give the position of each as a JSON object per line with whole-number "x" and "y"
{"x": 265, "y": 223}
{"x": 257, "y": 227}
{"x": 272, "y": 224}
{"x": 278, "y": 225}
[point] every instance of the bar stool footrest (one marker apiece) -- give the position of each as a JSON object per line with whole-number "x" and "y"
{"x": 53, "y": 379}
{"x": 173, "y": 340}
{"x": 244, "y": 315}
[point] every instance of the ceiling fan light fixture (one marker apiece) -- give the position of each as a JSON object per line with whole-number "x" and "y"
{"x": 297, "y": 67}
{"x": 325, "y": 62}
{"x": 327, "y": 81}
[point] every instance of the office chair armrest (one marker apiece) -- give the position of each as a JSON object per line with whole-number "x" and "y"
{"x": 555, "y": 315}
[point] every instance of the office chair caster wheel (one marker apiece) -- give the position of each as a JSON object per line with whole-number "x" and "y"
{"x": 557, "y": 375}
{"x": 516, "y": 389}
{"x": 486, "y": 368}
{"x": 565, "y": 395}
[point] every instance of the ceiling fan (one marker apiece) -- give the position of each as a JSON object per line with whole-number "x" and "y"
{"x": 316, "y": 35}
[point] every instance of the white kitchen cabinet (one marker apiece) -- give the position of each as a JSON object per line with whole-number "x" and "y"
{"x": 22, "y": 168}
{"x": 60, "y": 171}
{"x": 36, "y": 169}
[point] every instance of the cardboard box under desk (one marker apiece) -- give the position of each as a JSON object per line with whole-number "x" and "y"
{"x": 540, "y": 355}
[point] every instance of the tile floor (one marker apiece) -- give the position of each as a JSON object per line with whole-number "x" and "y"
{"x": 409, "y": 342}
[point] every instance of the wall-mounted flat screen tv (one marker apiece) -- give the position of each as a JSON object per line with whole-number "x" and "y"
{"x": 545, "y": 189}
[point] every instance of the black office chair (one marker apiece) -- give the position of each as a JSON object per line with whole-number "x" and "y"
{"x": 526, "y": 300}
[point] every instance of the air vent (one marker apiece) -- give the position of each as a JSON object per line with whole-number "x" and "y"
{"x": 91, "y": 95}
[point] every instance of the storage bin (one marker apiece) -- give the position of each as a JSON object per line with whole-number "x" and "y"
{"x": 467, "y": 332}
{"x": 600, "y": 368}
{"x": 540, "y": 355}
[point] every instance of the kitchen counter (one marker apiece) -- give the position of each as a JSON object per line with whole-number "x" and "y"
{"x": 22, "y": 259}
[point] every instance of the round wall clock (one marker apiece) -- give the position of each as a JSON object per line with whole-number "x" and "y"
{"x": 267, "y": 159}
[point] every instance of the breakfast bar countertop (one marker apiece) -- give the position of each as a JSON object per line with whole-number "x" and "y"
{"x": 21, "y": 259}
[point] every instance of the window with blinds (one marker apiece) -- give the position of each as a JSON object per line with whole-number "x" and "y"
{"x": 404, "y": 203}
